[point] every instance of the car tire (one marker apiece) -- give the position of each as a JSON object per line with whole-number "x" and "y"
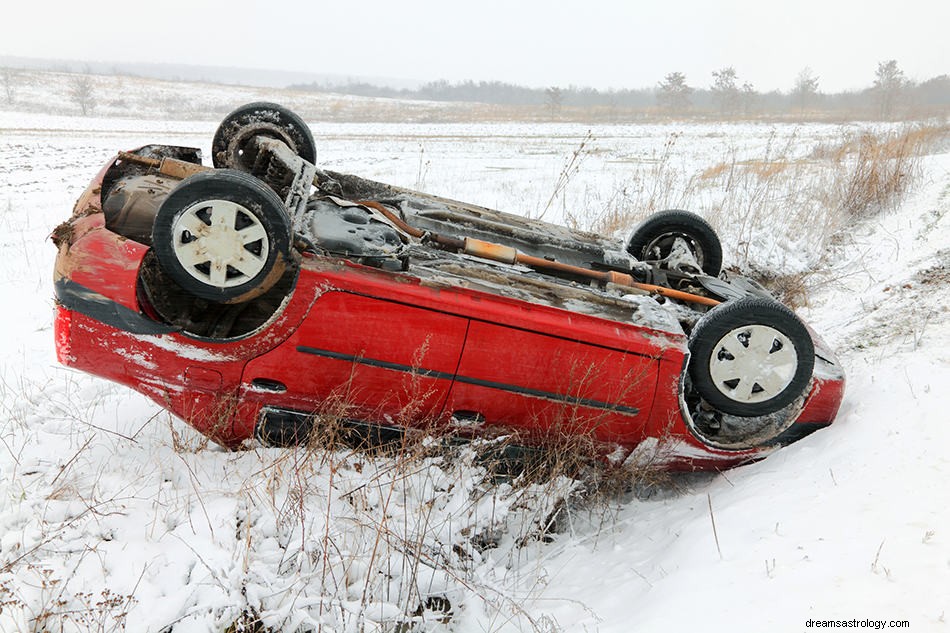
{"x": 653, "y": 239}
{"x": 230, "y": 147}
{"x": 750, "y": 357}
{"x": 223, "y": 236}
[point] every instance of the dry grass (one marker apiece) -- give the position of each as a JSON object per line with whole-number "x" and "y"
{"x": 661, "y": 184}
{"x": 882, "y": 167}
{"x": 778, "y": 213}
{"x": 396, "y": 531}
{"x": 419, "y": 533}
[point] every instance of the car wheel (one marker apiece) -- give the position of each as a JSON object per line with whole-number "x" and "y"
{"x": 223, "y": 236}
{"x": 750, "y": 357}
{"x": 654, "y": 238}
{"x": 231, "y": 147}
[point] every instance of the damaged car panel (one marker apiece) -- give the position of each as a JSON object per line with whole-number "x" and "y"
{"x": 264, "y": 295}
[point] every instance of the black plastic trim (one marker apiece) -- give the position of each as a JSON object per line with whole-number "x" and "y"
{"x": 431, "y": 373}
{"x": 286, "y": 427}
{"x": 74, "y": 296}
{"x": 797, "y": 431}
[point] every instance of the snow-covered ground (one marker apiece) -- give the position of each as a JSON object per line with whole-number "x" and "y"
{"x": 114, "y": 515}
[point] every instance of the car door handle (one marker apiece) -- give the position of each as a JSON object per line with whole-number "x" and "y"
{"x": 266, "y": 384}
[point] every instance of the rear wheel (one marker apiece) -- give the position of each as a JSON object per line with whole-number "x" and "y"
{"x": 232, "y": 147}
{"x": 223, "y": 236}
{"x": 654, "y": 241}
{"x": 750, "y": 357}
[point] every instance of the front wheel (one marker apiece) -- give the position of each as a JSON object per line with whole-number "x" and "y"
{"x": 751, "y": 357}
{"x": 223, "y": 236}
{"x": 655, "y": 241}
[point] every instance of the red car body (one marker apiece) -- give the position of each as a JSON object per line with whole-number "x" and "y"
{"x": 392, "y": 349}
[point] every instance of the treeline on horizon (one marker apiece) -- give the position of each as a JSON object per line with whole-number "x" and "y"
{"x": 890, "y": 95}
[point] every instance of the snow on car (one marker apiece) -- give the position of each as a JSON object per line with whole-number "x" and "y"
{"x": 264, "y": 296}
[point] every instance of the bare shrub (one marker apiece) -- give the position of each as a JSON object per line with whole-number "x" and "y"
{"x": 791, "y": 289}
{"x": 8, "y": 77}
{"x": 82, "y": 93}
{"x": 781, "y": 213}
{"x": 571, "y": 166}
{"x": 398, "y": 540}
{"x": 49, "y": 603}
{"x": 877, "y": 169}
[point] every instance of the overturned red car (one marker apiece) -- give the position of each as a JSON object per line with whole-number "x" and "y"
{"x": 261, "y": 297}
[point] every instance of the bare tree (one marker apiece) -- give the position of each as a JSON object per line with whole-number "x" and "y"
{"x": 748, "y": 98}
{"x": 889, "y": 86}
{"x": 674, "y": 93}
{"x": 81, "y": 90}
{"x": 725, "y": 91}
{"x": 554, "y": 99}
{"x": 806, "y": 88}
{"x": 8, "y": 78}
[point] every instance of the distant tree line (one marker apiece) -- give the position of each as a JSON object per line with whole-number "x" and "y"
{"x": 492, "y": 92}
{"x": 726, "y": 95}
{"x": 890, "y": 96}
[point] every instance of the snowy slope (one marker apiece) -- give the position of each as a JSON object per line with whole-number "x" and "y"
{"x": 850, "y": 523}
{"x": 114, "y": 515}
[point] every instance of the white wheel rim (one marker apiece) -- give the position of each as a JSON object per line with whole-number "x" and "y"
{"x": 753, "y": 363}
{"x": 220, "y": 243}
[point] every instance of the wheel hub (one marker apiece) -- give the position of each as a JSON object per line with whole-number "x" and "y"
{"x": 753, "y": 363}
{"x": 220, "y": 242}
{"x": 241, "y": 152}
{"x": 675, "y": 251}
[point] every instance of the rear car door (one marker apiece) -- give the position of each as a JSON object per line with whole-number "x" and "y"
{"x": 546, "y": 383}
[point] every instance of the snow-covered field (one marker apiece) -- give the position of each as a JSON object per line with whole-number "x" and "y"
{"x": 114, "y": 516}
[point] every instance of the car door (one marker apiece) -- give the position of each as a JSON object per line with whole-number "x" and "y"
{"x": 547, "y": 382}
{"x": 362, "y": 357}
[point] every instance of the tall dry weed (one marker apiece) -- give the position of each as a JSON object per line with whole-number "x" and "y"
{"x": 777, "y": 213}
{"x": 877, "y": 169}
{"x": 660, "y": 183}
{"x": 416, "y": 532}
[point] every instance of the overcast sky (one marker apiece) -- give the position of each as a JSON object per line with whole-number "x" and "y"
{"x": 598, "y": 43}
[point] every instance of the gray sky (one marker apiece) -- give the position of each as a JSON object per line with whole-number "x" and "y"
{"x": 596, "y": 43}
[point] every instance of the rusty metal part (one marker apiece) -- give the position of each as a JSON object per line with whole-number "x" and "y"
{"x": 489, "y": 250}
{"x": 392, "y": 217}
{"x": 509, "y": 255}
{"x": 613, "y": 277}
{"x": 442, "y": 241}
{"x": 171, "y": 167}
